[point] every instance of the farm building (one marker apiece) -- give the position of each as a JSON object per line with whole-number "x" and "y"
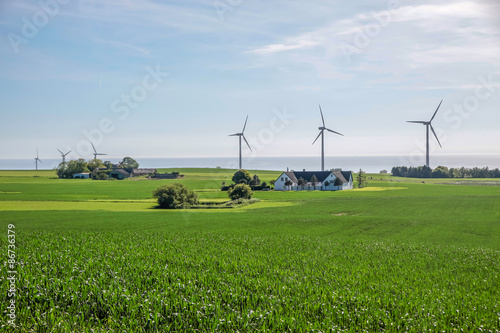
{"x": 119, "y": 174}
{"x": 143, "y": 172}
{"x": 326, "y": 181}
{"x": 84, "y": 175}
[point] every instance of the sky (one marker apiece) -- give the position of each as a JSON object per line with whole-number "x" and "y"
{"x": 175, "y": 78}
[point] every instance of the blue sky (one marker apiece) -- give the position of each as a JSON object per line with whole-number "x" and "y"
{"x": 191, "y": 71}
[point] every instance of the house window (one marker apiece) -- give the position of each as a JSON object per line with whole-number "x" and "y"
{"x": 281, "y": 178}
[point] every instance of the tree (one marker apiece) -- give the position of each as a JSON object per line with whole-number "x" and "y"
{"x": 383, "y": 171}
{"x": 264, "y": 184}
{"x": 288, "y": 182}
{"x": 301, "y": 182}
{"x": 94, "y": 164}
{"x": 108, "y": 164}
{"x": 240, "y": 191}
{"x": 361, "y": 179}
{"x": 440, "y": 172}
{"x": 68, "y": 169}
{"x": 128, "y": 163}
{"x": 174, "y": 196}
{"x": 241, "y": 175}
{"x": 314, "y": 180}
{"x": 255, "y": 181}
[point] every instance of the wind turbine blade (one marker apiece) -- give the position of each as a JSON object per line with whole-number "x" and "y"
{"x": 334, "y": 131}
{"x": 432, "y": 128}
{"x": 436, "y": 110}
{"x": 39, "y": 160}
{"x": 101, "y": 154}
{"x": 95, "y": 151}
{"x": 236, "y": 134}
{"x": 37, "y": 153}
{"x": 246, "y": 142}
{"x": 320, "y": 132}
{"x": 68, "y": 152}
{"x": 60, "y": 151}
{"x": 244, "y": 126}
{"x": 416, "y": 122}
{"x": 322, "y": 118}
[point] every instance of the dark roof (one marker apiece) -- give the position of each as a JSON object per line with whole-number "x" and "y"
{"x": 123, "y": 172}
{"x": 347, "y": 175}
{"x": 307, "y": 175}
{"x": 343, "y": 176}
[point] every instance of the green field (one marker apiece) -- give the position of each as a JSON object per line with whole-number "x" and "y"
{"x": 97, "y": 256}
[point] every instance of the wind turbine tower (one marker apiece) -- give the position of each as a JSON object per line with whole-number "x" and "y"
{"x": 37, "y": 160}
{"x": 64, "y": 155}
{"x": 322, "y": 134}
{"x": 428, "y": 124}
{"x": 242, "y": 135}
{"x": 95, "y": 152}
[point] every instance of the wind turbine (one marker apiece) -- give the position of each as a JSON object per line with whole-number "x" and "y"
{"x": 427, "y": 125}
{"x": 242, "y": 135}
{"x": 64, "y": 155}
{"x": 37, "y": 159}
{"x": 321, "y": 133}
{"x": 95, "y": 152}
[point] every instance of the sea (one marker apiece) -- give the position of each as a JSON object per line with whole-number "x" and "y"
{"x": 371, "y": 164}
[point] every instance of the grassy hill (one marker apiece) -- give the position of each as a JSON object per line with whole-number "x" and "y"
{"x": 393, "y": 256}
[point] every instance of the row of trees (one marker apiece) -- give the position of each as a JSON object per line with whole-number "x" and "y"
{"x": 68, "y": 169}
{"x": 444, "y": 172}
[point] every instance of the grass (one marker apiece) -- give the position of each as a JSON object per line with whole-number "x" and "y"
{"x": 395, "y": 256}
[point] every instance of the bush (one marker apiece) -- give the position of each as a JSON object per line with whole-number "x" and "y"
{"x": 102, "y": 176}
{"x": 383, "y": 171}
{"x": 175, "y": 196}
{"x": 240, "y": 191}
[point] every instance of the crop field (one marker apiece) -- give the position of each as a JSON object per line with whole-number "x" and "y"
{"x": 400, "y": 255}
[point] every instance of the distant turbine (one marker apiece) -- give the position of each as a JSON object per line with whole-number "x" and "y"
{"x": 427, "y": 125}
{"x": 64, "y": 155}
{"x": 95, "y": 152}
{"x": 321, "y": 133}
{"x": 37, "y": 159}
{"x": 242, "y": 135}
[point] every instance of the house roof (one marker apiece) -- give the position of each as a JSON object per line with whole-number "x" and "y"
{"x": 347, "y": 175}
{"x": 307, "y": 175}
{"x": 123, "y": 172}
{"x": 342, "y": 176}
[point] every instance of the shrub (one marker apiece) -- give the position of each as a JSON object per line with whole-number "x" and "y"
{"x": 240, "y": 191}
{"x": 102, "y": 176}
{"x": 175, "y": 196}
{"x": 383, "y": 171}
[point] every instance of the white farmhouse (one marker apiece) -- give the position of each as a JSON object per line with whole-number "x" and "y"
{"x": 327, "y": 181}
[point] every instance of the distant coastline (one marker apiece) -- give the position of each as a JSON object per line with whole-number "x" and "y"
{"x": 372, "y": 164}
